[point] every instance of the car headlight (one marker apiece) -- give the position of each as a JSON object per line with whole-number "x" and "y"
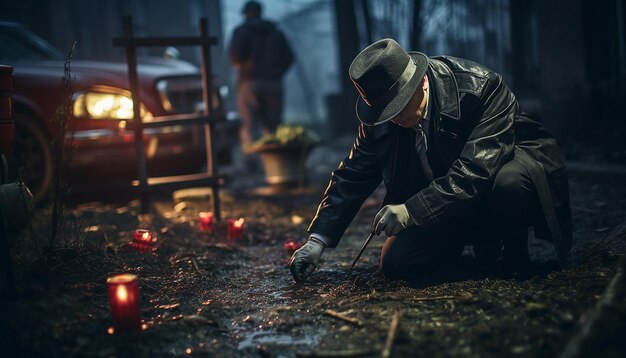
{"x": 97, "y": 105}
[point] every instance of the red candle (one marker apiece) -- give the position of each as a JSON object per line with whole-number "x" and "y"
{"x": 206, "y": 221}
{"x": 291, "y": 245}
{"x": 123, "y": 292}
{"x": 235, "y": 229}
{"x": 142, "y": 239}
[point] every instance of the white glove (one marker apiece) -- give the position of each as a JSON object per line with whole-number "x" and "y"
{"x": 392, "y": 219}
{"x": 305, "y": 260}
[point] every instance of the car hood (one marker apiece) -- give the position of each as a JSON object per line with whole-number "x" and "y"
{"x": 86, "y": 73}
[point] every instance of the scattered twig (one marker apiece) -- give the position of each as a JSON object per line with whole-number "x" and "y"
{"x": 452, "y": 307}
{"x": 432, "y": 298}
{"x": 200, "y": 320}
{"x": 344, "y": 318}
{"x": 325, "y": 302}
{"x": 180, "y": 258}
{"x": 391, "y": 335}
{"x": 195, "y": 264}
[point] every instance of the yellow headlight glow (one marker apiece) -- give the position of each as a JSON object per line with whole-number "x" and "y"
{"x": 98, "y": 105}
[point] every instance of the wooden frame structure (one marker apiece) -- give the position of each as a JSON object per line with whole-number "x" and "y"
{"x": 208, "y": 118}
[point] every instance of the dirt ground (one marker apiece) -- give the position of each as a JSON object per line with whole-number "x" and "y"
{"x": 203, "y": 295}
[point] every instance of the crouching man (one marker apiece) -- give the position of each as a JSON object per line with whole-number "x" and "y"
{"x": 460, "y": 162}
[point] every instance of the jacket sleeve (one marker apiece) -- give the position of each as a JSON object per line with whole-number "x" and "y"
{"x": 286, "y": 54}
{"x": 238, "y": 52}
{"x": 350, "y": 184}
{"x": 489, "y": 146}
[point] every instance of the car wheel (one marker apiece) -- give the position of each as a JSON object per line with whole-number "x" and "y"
{"x": 31, "y": 160}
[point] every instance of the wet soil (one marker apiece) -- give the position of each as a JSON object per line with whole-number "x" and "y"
{"x": 204, "y": 295}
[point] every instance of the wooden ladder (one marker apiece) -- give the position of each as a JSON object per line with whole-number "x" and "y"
{"x": 208, "y": 118}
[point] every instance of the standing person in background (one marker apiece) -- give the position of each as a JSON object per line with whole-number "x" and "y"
{"x": 261, "y": 53}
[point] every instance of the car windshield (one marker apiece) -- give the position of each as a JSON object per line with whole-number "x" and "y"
{"x": 18, "y": 44}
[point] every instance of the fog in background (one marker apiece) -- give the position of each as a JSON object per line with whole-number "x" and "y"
{"x": 564, "y": 59}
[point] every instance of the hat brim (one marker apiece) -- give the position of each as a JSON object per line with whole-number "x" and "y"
{"x": 372, "y": 116}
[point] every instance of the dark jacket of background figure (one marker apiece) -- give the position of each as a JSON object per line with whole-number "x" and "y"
{"x": 260, "y": 50}
{"x": 475, "y": 127}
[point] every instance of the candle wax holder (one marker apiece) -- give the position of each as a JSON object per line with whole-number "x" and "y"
{"x": 123, "y": 292}
{"x": 234, "y": 230}
{"x": 142, "y": 239}
{"x": 291, "y": 245}
{"x": 206, "y": 221}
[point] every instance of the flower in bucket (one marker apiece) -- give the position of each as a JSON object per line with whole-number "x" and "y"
{"x": 284, "y": 154}
{"x": 286, "y": 135}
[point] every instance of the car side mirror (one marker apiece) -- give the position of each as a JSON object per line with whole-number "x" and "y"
{"x": 171, "y": 53}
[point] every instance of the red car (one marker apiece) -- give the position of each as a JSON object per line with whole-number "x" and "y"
{"x": 101, "y": 108}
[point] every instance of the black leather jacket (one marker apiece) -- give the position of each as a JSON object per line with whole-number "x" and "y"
{"x": 475, "y": 127}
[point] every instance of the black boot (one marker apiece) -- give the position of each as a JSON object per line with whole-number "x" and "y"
{"x": 515, "y": 260}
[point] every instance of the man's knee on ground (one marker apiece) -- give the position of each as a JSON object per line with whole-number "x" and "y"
{"x": 395, "y": 264}
{"x": 391, "y": 267}
{"x": 511, "y": 183}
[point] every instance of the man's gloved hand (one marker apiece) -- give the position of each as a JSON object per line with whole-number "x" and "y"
{"x": 305, "y": 260}
{"x": 392, "y": 219}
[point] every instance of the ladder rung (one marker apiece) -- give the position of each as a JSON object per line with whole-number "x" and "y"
{"x": 186, "y": 180}
{"x": 181, "y": 120}
{"x": 163, "y": 41}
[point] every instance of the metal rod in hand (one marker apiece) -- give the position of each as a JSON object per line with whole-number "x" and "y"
{"x": 367, "y": 241}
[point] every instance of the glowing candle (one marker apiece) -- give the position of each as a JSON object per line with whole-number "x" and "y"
{"x": 291, "y": 245}
{"x": 123, "y": 292}
{"x": 206, "y": 221}
{"x": 142, "y": 239}
{"x": 235, "y": 229}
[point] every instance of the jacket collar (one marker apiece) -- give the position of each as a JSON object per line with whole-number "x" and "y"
{"x": 445, "y": 89}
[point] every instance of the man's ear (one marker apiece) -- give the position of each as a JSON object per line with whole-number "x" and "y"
{"x": 425, "y": 82}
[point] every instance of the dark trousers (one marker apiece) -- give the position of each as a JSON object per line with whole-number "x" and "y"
{"x": 260, "y": 105}
{"x": 497, "y": 226}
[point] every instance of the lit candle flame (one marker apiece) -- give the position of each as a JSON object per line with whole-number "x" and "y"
{"x": 143, "y": 237}
{"x": 239, "y": 223}
{"x": 122, "y": 293}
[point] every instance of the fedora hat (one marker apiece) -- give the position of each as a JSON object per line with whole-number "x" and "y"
{"x": 386, "y": 77}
